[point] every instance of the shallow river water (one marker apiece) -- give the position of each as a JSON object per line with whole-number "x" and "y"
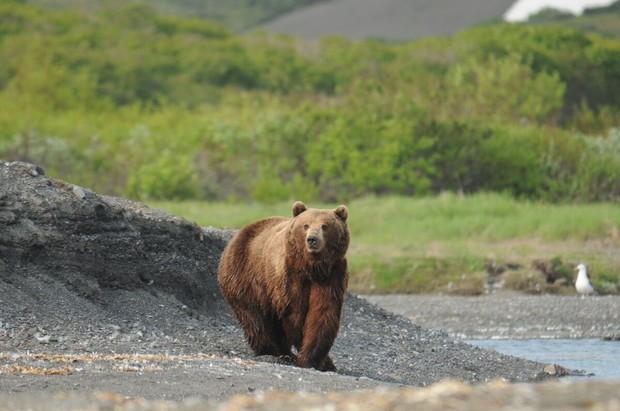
{"x": 594, "y": 356}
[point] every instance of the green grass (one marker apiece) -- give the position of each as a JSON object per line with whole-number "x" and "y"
{"x": 485, "y": 217}
{"x": 442, "y": 244}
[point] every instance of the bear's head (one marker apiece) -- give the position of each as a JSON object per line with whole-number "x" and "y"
{"x": 320, "y": 233}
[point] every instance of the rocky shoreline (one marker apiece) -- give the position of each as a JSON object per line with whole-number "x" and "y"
{"x": 507, "y": 314}
{"x": 101, "y": 294}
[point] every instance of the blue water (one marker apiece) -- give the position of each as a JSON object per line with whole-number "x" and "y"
{"x": 598, "y": 357}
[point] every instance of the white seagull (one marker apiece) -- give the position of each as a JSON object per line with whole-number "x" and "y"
{"x": 583, "y": 285}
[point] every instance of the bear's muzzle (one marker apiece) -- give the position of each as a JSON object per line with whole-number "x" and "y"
{"x": 314, "y": 241}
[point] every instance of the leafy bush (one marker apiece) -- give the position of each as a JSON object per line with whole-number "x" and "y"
{"x": 598, "y": 174}
{"x": 503, "y": 89}
{"x": 167, "y": 176}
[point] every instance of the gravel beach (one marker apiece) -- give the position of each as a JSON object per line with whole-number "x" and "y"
{"x": 109, "y": 303}
{"x": 141, "y": 367}
{"x": 506, "y": 314}
{"x": 164, "y": 354}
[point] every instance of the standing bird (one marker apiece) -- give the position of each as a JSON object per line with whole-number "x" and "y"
{"x": 583, "y": 285}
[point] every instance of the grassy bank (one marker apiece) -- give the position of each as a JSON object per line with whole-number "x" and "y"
{"x": 444, "y": 243}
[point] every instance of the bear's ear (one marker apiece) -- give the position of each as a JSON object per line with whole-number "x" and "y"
{"x": 298, "y": 208}
{"x": 342, "y": 212}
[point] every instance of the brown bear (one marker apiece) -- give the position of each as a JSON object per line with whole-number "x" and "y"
{"x": 285, "y": 279}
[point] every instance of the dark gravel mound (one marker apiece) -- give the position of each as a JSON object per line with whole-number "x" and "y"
{"x": 84, "y": 273}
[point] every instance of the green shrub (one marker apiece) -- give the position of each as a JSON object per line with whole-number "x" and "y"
{"x": 503, "y": 89}
{"x": 598, "y": 174}
{"x": 167, "y": 176}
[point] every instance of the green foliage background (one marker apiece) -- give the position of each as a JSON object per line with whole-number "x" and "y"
{"x": 130, "y": 102}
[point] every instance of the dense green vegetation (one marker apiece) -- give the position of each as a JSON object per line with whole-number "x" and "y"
{"x": 129, "y": 102}
{"x": 444, "y": 243}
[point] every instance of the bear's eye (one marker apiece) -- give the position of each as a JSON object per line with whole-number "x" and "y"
{"x": 324, "y": 227}
{"x": 306, "y": 226}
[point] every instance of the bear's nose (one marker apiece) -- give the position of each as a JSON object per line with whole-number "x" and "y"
{"x": 312, "y": 241}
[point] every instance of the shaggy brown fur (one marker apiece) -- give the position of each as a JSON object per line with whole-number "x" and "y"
{"x": 285, "y": 279}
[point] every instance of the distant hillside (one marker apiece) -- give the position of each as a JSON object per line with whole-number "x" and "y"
{"x": 234, "y": 14}
{"x": 388, "y": 19}
{"x": 602, "y": 20}
{"x": 356, "y": 19}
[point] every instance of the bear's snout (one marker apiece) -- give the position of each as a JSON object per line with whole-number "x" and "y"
{"x": 314, "y": 240}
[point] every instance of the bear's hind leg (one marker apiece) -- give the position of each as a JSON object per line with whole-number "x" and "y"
{"x": 262, "y": 334}
{"x": 282, "y": 342}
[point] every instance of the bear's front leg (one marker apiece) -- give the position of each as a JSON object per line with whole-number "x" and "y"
{"x": 327, "y": 365}
{"x": 321, "y": 326}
